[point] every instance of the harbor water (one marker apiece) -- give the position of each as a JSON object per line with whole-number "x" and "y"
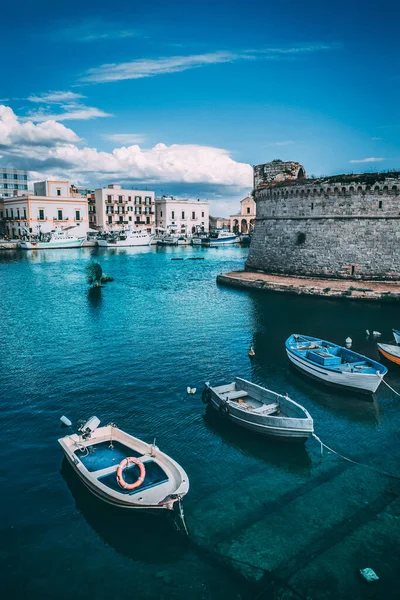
{"x": 266, "y": 519}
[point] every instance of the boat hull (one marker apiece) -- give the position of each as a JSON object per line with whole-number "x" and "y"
{"x": 130, "y": 242}
{"x": 396, "y": 336}
{"x": 298, "y": 427}
{"x": 388, "y": 352}
{"x": 77, "y": 243}
{"x": 363, "y": 383}
{"x": 222, "y": 242}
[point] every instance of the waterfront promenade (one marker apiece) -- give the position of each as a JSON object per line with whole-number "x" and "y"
{"x": 313, "y": 286}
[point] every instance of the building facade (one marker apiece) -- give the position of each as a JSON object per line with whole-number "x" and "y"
{"x": 181, "y": 216}
{"x": 115, "y": 208}
{"x": 42, "y": 213}
{"x": 346, "y": 226}
{"x": 13, "y": 182}
{"x": 220, "y": 223}
{"x": 244, "y": 221}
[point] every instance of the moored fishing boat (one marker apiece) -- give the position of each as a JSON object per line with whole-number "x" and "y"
{"x": 396, "y": 334}
{"x": 55, "y": 239}
{"x": 123, "y": 238}
{"x": 333, "y": 364}
{"x": 390, "y": 352}
{"x": 122, "y": 470}
{"x": 259, "y": 409}
{"x": 222, "y": 238}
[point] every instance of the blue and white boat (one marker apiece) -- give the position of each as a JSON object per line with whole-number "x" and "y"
{"x": 396, "y": 334}
{"x": 222, "y": 239}
{"x": 333, "y": 364}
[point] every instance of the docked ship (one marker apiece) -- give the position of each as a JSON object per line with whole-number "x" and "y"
{"x": 57, "y": 238}
{"x": 124, "y": 237}
{"x": 222, "y": 238}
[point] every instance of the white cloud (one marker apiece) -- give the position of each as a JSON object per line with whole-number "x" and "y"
{"x": 55, "y": 97}
{"x": 366, "y": 160}
{"x": 72, "y": 112}
{"x": 150, "y": 67}
{"x": 59, "y": 154}
{"x": 124, "y": 138}
{"x": 92, "y": 30}
{"x": 14, "y": 132}
{"x": 285, "y": 143}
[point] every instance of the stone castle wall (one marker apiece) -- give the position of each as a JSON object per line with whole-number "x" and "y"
{"x": 334, "y": 228}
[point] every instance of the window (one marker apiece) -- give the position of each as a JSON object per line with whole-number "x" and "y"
{"x": 193, "y": 215}
{"x": 129, "y": 198}
{"x": 147, "y": 200}
{"x": 183, "y": 214}
{"x": 173, "y": 214}
{"x": 109, "y": 199}
{"x": 15, "y": 176}
{"x": 202, "y": 215}
{"x": 160, "y": 213}
{"x": 110, "y": 220}
{"x": 248, "y": 210}
{"x": 138, "y": 199}
{"x": 12, "y": 213}
{"x": 41, "y": 214}
{"x": 24, "y": 213}
{"x": 58, "y": 192}
{"x": 380, "y": 203}
{"x": 17, "y": 213}
{"x": 59, "y": 215}
{"x": 120, "y": 199}
{"x": 130, "y": 218}
{"x": 77, "y": 215}
{"x": 148, "y": 220}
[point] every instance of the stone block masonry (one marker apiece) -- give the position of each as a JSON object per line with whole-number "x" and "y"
{"x": 345, "y": 226}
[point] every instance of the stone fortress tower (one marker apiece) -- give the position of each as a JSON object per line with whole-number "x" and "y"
{"x": 345, "y": 226}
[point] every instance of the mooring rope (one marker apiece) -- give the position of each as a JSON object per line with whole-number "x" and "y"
{"x": 355, "y": 462}
{"x": 390, "y": 387}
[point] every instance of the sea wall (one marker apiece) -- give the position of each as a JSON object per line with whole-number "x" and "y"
{"x": 344, "y": 226}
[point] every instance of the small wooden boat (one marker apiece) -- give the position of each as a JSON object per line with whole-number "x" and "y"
{"x": 334, "y": 365}
{"x": 259, "y": 409}
{"x": 396, "y": 334}
{"x": 122, "y": 470}
{"x": 390, "y": 352}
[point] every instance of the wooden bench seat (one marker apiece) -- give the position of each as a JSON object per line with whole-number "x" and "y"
{"x": 235, "y": 395}
{"x": 267, "y": 409}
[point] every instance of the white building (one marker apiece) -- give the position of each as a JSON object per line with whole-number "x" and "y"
{"x": 181, "y": 216}
{"x": 116, "y": 208}
{"x": 42, "y": 213}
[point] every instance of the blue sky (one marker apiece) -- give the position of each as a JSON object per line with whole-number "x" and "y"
{"x": 184, "y": 97}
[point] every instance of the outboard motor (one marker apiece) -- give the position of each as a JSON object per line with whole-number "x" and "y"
{"x": 87, "y": 428}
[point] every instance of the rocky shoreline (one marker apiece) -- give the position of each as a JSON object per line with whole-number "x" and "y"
{"x": 387, "y": 291}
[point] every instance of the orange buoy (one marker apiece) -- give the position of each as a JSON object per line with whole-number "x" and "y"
{"x": 125, "y": 463}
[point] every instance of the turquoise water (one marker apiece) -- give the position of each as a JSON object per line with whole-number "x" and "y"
{"x": 127, "y": 355}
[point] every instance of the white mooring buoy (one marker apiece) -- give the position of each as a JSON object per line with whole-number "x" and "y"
{"x": 65, "y": 421}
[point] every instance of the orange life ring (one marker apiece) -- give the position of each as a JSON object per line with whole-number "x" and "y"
{"x": 125, "y": 463}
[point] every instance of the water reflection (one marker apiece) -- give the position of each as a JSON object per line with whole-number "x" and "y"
{"x": 290, "y": 456}
{"x": 136, "y": 535}
{"x": 94, "y": 297}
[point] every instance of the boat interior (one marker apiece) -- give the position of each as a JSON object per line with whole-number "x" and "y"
{"x": 104, "y": 458}
{"x": 332, "y": 357}
{"x": 246, "y": 400}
